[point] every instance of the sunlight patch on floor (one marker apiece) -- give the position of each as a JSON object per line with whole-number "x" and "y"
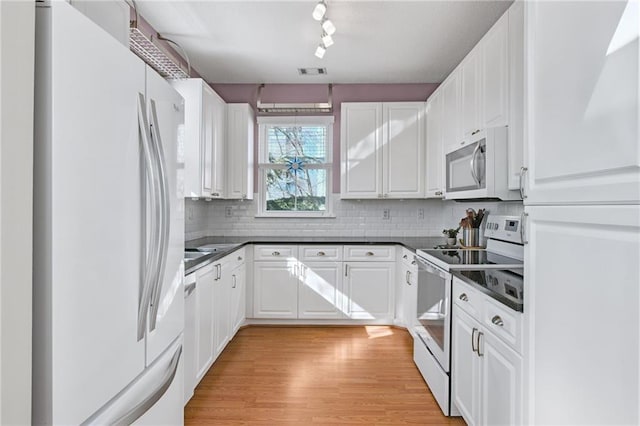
{"x": 375, "y": 331}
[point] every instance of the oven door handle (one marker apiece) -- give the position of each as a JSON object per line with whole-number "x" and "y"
{"x": 424, "y": 265}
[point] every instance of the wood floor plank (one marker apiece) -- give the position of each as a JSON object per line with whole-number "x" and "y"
{"x": 316, "y": 376}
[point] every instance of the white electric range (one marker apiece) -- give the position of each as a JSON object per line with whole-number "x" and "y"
{"x": 501, "y": 261}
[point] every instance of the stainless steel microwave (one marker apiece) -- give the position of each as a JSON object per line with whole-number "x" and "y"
{"x": 478, "y": 169}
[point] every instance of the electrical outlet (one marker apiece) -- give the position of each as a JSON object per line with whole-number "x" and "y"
{"x": 420, "y": 214}
{"x": 386, "y": 214}
{"x": 228, "y": 211}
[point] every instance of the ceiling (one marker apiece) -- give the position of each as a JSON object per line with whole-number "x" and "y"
{"x": 375, "y": 42}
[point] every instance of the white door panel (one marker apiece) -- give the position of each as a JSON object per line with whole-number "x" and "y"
{"x": 88, "y": 167}
{"x": 582, "y": 301}
{"x": 169, "y": 110}
{"x": 319, "y": 290}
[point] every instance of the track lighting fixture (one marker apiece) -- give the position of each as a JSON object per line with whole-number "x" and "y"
{"x": 328, "y": 29}
{"x": 319, "y": 10}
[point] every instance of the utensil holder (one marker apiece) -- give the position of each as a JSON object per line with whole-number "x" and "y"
{"x": 471, "y": 237}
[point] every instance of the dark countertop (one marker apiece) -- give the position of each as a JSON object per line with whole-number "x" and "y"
{"x": 411, "y": 243}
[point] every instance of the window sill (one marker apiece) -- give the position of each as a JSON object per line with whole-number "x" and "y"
{"x": 294, "y": 216}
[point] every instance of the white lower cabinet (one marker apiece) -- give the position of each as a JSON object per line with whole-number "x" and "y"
{"x": 407, "y": 290}
{"x": 221, "y": 299}
{"x": 319, "y": 290}
{"x": 486, "y": 372}
{"x": 205, "y": 279}
{"x": 238, "y": 295}
{"x": 275, "y": 289}
{"x": 369, "y": 290}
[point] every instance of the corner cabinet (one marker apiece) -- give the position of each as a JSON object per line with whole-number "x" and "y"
{"x": 382, "y": 149}
{"x": 240, "y": 120}
{"x": 434, "y": 174}
{"x": 203, "y": 139}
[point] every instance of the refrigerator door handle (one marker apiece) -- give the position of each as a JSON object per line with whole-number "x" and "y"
{"x": 139, "y": 396}
{"x": 150, "y": 251}
{"x": 165, "y": 215}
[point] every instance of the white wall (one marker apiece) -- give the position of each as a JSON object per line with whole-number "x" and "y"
{"x": 17, "y": 26}
{"x": 353, "y": 218}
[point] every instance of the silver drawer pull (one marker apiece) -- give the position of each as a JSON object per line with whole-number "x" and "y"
{"x": 239, "y": 258}
{"x": 463, "y": 297}
{"x": 405, "y": 257}
{"x": 275, "y": 253}
{"x": 497, "y": 321}
{"x": 369, "y": 253}
{"x": 414, "y": 263}
{"x": 321, "y": 253}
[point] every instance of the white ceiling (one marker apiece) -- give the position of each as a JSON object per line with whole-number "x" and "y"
{"x": 376, "y": 41}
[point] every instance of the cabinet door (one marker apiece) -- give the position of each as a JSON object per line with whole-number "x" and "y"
{"x": 403, "y": 149}
{"x": 204, "y": 321}
{"x": 239, "y": 151}
{"x": 435, "y": 152}
{"x": 451, "y": 121}
{"x": 470, "y": 94}
{"x": 221, "y": 301}
{"x": 582, "y": 304}
{"x": 368, "y": 289}
{"x": 237, "y": 304}
{"x": 515, "y": 138}
{"x": 361, "y": 146}
{"x": 495, "y": 74}
{"x": 219, "y": 141}
{"x": 409, "y": 293}
{"x": 501, "y": 389}
{"x": 319, "y": 290}
{"x": 465, "y": 366}
{"x": 275, "y": 291}
{"x": 207, "y": 141}
{"x": 582, "y": 108}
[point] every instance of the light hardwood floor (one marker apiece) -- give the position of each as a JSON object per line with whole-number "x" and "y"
{"x": 315, "y": 376}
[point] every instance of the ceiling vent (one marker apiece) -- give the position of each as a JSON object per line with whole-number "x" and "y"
{"x": 295, "y": 108}
{"x": 312, "y": 71}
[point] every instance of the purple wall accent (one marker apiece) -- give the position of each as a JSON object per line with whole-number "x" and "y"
{"x": 248, "y": 93}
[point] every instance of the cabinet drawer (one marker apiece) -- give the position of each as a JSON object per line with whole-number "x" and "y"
{"x": 505, "y": 323}
{"x": 320, "y": 253}
{"x": 275, "y": 252}
{"x": 236, "y": 258}
{"x": 366, "y": 253}
{"x": 467, "y": 298}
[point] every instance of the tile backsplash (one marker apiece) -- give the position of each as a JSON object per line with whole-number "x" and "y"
{"x": 358, "y": 218}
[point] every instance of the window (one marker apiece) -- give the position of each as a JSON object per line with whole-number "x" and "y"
{"x": 294, "y": 166}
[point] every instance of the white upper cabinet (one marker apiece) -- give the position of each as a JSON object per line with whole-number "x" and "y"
{"x": 451, "y": 128}
{"x": 219, "y": 141}
{"x": 403, "y": 149}
{"x": 515, "y": 137}
{"x": 204, "y": 138}
{"x": 435, "y": 153}
{"x": 361, "y": 146}
{"x": 470, "y": 98}
{"x": 240, "y": 151}
{"x": 495, "y": 74}
{"x": 382, "y": 150}
{"x": 582, "y": 103}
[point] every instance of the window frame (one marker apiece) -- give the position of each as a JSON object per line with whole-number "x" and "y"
{"x": 264, "y": 123}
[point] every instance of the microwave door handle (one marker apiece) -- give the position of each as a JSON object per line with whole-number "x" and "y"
{"x": 472, "y": 164}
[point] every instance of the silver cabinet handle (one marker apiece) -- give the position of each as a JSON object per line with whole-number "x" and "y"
{"x": 275, "y": 253}
{"x": 497, "y": 321}
{"x": 321, "y": 253}
{"x": 438, "y": 192}
{"x": 405, "y": 256}
{"x": 346, "y": 269}
{"x": 463, "y": 297}
{"x": 406, "y": 277}
{"x": 414, "y": 262}
{"x": 473, "y": 340}
{"x": 369, "y": 253}
{"x": 523, "y": 234}
{"x": 480, "y": 334}
{"x": 233, "y": 278}
{"x": 239, "y": 258}
{"x": 475, "y": 132}
{"x": 523, "y": 172}
{"x": 462, "y": 143}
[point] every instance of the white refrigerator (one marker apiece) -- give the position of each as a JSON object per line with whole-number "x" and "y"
{"x": 108, "y": 230}
{"x": 582, "y": 201}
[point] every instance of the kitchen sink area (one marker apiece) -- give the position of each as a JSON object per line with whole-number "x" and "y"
{"x": 198, "y": 255}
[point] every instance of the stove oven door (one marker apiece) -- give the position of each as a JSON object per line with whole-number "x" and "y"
{"x": 434, "y": 310}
